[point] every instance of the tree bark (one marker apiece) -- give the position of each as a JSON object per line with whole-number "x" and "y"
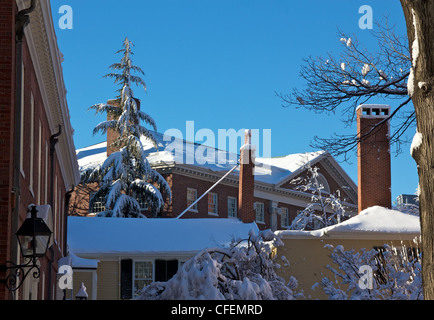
{"x": 419, "y": 16}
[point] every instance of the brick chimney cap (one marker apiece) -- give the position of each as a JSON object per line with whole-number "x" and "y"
{"x": 373, "y": 110}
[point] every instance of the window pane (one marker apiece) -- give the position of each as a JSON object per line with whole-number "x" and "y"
{"x": 191, "y": 197}
{"x": 212, "y": 203}
{"x": 143, "y": 275}
{"x": 285, "y": 217}
{"x": 232, "y": 207}
{"x": 98, "y": 204}
{"x": 259, "y": 208}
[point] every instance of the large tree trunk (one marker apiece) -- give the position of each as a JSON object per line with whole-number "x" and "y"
{"x": 419, "y": 16}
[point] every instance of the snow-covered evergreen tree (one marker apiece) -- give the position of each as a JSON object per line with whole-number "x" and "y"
{"x": 243, "y": 271}
{"x": 126, "y": 175}
{"x": 396, "y": 274}
{"x": 324, "y": 209}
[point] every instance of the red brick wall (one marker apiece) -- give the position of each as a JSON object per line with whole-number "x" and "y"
{"x": 374, "y": 167}
{"x": 246, "y": 191}
{"x": 28, "y": 195}
{"x": 111, "y": 134}
{"x": 7, "y": 102}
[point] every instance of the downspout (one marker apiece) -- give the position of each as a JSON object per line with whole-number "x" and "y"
{"x": 65, "y": 225}
{"x": 53, "y": 142}
{"x": 22, "y": 19}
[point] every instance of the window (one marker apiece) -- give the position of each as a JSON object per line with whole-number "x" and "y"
{"x": 191, "y": 197}
{"x": 143, "y": 203}
{"x": 143, "y": 275}
{"x": 22, "y": 122}
{"x": 39, "y": 163}
{"x": 323, "y": 182}
{"x": 32, "y": 138}
{"x": 259, "y": 209}
{"x": 232, "y": 207}
{"x": 212, "y": 203}
{"x": 285, "y": 217}
{"x": 98, "y": 204}
{"x": 46, "y": 173}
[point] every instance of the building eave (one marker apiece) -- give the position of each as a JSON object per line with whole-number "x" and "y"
{"x": 44, "y": 52}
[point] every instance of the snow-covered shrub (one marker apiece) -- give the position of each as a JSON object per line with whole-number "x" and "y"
{"x": 396, "y": 274}
{"x": 324, "y": 209}
{"x": 246, "y": 270}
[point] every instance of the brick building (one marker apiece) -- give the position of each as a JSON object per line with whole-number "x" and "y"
{"x": 261, "y": 193}
{"x": 373, "y": 156}
{"x": 38, "y": 164}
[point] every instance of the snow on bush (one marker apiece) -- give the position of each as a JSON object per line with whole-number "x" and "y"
{"x": 245, "y": 270}
{"x": 396, "y": 274}
{"x": 324, "y": 209}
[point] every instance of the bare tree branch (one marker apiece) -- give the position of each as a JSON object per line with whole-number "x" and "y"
{"x": 357, "y": 76}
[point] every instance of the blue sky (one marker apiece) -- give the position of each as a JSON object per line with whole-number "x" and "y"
{"x": 217, "y": 63}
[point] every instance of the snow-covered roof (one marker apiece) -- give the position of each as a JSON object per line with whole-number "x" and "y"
{"x": 172, "y": 150}
{"x": 374, "y": 222}
{"x": 76, "y": 262}
{"x": 105, "y": 236}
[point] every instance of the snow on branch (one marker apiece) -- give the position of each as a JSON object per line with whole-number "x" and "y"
{"x": 126, "y": 174}
{"x": 396, "y": 273}
{"x": 245, "y": 270}
{"x": 342, "y": 83}
{"x": 325, "y": 208}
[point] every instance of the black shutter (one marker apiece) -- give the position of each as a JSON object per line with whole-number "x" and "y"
{"x": 160, "y": 270}
{"x": 172, "y": 268}
{"x": 165, "y": 269}
{"x": 127, "y": 279}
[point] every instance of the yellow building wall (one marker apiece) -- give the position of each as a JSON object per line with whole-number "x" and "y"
{"x": 108, "y": 280}
{"x": 79, "y": 277}
{"x": 308, "y": 260}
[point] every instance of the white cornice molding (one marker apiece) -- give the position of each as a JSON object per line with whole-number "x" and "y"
{"x": 42, "y": 43}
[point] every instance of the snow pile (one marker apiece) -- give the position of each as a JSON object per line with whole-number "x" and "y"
{"x": 242, "y": 271}
{"x": 379, "y": 219}
{"x": 376, "y": 219}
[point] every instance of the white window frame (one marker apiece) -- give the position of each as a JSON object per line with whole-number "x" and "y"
{"x": 214, "y": 203}
{"x": 260, "y": 212}
{"x": 151, "y": 279}
{"x": 142, "y": 203}
{"x": 284, "y": 217}
{"x": 190, "y": 201}
{"x": 22, "y": 123}
{"x": 101, "y": 206}
{"x": 39, "y": 163}
{"x": 233, "y": 206}
{"x": 46, "y": 173}
{"x": 32, "y": 141}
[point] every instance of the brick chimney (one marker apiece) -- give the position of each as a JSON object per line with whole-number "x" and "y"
{"x": 246, "y": 197}
{"x": 373, "y": 152}
{"x": 112, "y": 135}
